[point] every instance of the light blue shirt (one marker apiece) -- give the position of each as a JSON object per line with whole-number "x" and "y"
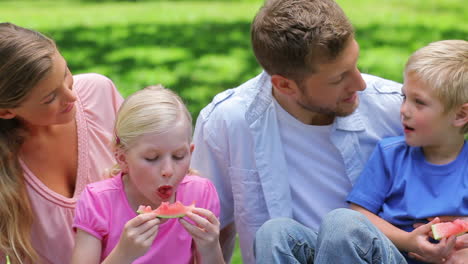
{"x": 238, "y": 146}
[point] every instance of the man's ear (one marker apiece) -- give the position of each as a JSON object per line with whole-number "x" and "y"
{"x": 6, "y": 114}
{"x": 461, "y": 116}
{"x": 284, "y": 85}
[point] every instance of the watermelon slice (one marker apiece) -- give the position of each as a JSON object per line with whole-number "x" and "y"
{"x": 167, "y": 210}
{"x": 446, "y": 229}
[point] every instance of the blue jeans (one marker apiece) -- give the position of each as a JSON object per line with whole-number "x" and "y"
{"x": 345, "y": 236}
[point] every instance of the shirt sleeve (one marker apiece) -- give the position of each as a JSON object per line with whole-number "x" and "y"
{"x": 209, "y": 159}
{"x": 371, "y": 188}
{"x": 99, "y": 97}
{"x": 90, "y": 214}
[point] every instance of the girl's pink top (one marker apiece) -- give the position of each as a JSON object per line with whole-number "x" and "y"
{"x": 97, "y": 105}
{"x": 103, "y": 210}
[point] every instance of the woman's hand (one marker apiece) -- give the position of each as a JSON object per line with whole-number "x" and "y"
{"x": 205, "y": 234}
{"x": 137, "y": 237}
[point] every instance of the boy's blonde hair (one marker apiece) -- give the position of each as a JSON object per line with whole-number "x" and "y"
{"x": 153, "y": 109}
{"x": 443, "y": 66}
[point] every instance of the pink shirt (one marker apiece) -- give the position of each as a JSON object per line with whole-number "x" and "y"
{"x": 103, "y": 210}
{"x": 97, "y": 104}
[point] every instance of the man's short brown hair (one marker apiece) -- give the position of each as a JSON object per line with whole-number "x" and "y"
{"x": 290, "y": 37}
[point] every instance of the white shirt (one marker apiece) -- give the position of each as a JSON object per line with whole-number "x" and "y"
{"x": 315, "y": 169}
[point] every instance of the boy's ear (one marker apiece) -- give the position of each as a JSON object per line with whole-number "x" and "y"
{"x": 6, "y": 114}
{"x": 284, "y": 85}
{"x": 461, "y": 116}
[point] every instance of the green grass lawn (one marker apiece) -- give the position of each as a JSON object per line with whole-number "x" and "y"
{"x": 199, "y": 48}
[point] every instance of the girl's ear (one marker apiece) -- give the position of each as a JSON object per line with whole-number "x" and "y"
{"x": 121, "y": 159}
{"x": 192, "y": 147}
{"x": 461, "y": 116}
{"x": 6, "y": 114}
{"x": 284, "y": 85}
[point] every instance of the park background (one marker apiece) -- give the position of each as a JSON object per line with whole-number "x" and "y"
{"x": 199, "y": 48}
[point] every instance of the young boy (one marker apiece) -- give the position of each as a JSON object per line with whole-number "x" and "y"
{"x": 424, "y": 175}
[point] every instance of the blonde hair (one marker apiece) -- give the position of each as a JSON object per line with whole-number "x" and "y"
{"x": 153, "y": 109}
{"x": 291, "y": 37}
{"x": 443, "y": 66}
{"x": 25, "y": 58}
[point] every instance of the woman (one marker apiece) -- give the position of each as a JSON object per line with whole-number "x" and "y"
{"x": 55, "y": 132}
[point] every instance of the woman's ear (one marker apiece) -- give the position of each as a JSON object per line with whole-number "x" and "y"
{"x": 284, "y": 85}
{"x": 6, "y": 114}
{"x": 461, "y": 116}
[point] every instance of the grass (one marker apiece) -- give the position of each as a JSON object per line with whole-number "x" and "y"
{"x": 199, "y": 48}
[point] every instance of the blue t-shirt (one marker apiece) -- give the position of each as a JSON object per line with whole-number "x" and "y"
{"x": 400, "y": 186}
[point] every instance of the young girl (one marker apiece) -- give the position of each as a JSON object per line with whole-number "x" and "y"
{"x": 55, "y": 131}
{"x": 153, "y": 149}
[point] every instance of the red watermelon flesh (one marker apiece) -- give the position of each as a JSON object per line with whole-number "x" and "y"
{"x": 167, "y": 210}
{"x": 446, "y": 229}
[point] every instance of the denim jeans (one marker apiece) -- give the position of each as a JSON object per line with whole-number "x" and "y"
{"x": 345, "y": 236}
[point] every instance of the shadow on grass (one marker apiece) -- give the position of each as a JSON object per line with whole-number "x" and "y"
{"x": 201, "y": 59}
{"x": 196, "y": 60}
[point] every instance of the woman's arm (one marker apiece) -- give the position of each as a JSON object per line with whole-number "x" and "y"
{"x": 87, "y": 248}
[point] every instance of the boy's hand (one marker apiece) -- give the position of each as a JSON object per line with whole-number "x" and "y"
{"x": 205, "y": 233}
{"x": 427, "y": 251}
{"x": 138, "y": 235}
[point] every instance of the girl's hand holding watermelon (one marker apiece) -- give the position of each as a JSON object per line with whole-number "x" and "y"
{"x": 137, "y": 237}
{"x": 205, "y": 234}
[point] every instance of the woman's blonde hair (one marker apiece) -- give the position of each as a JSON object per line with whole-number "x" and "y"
{"x": 25, "y": 58}
{"x": 153, "y": 109}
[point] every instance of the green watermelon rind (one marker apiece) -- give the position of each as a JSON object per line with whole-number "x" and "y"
{"x": 170, "y": 216}
{"x": 438, "y": 236}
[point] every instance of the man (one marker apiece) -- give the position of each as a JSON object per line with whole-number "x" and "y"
{"x": 292, "y": 141}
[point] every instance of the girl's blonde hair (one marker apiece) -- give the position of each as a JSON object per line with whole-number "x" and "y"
{"x": 153, "y": 109}
{"x": 25, "y": 58}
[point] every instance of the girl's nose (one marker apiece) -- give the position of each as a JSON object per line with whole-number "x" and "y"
{"x": 167, "y": 170}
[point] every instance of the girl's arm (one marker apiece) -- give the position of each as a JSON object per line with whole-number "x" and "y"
{"x": 416, "y": 241}
{"x": 87, "y": 248}
{"x": 205, "y": 234}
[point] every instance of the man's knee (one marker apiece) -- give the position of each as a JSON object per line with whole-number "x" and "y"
{"x": 275, "y": 227}
{"x": 344, "y": 221}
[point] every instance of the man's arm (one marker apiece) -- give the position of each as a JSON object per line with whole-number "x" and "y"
{"x": 227, "y": 239}
{"x": 209, "y": 158}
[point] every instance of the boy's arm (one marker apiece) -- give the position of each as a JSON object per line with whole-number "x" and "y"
{"x": 399, "y": 237}
{"x": 415, "y": 242}
{"x": 87, "y": 248}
